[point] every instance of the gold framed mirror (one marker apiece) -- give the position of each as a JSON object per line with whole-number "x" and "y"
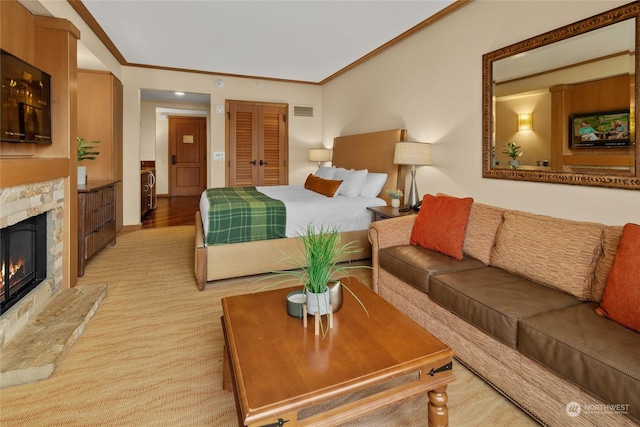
{"x": 539, "y": 93}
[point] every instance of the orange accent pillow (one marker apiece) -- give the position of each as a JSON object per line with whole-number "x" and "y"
{"x": 326, "y": 187}
{"x": 442, "y": 223}
{"x": 621, "y": 299}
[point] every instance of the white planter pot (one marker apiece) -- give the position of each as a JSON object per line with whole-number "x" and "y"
{"x": 395, "y": 203}
{"x": 514, "y": 163}
{"x": 318, "y": 302}
{"x": 82, "y": 175}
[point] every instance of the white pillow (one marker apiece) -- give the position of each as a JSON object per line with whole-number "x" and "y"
{"x": 326, "y": 172}
{"x": 352, "y": 181}
{"x": 373, "y": 185}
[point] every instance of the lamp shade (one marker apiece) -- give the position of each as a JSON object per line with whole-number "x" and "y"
{"x": 412, "y": 153}
{"x": 319, "y": 155}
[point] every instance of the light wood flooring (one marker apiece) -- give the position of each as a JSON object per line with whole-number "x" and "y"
{"x": 171, "y": 211}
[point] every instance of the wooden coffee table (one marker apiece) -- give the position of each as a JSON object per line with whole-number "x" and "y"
{"x": 276, "y": 367}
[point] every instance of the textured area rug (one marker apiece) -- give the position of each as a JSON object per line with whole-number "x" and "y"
{"x": 152, "y": 354}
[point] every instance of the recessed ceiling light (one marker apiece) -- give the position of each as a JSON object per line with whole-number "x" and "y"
{"x": 179, "y": 93}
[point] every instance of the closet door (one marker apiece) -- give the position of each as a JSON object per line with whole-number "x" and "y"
{"x": 242, "y": 125}
{"x": 273, "y": 146}
{"x": 257, "y": 144}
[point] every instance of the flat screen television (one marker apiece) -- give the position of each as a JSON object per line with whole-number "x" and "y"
{"x": 604, "y": 129}
{"x": 25, "y": 101}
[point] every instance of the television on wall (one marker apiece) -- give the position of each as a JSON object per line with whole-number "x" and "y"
{"x": 25, "y": 102}
{"x": 604, "y": 129}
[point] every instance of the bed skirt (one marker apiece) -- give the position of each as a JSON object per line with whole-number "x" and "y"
{"x": 249, "y": 258}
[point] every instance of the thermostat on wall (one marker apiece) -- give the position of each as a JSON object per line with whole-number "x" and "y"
{"x": 218, "y": 155}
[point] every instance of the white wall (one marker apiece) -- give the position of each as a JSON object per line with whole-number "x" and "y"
{"x": 431, "y": 84}
{"x": 304, "y": 132}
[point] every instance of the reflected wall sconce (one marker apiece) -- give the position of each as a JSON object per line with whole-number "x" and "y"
{"x": 412, "y": 154}
{"x": 319, "y": 155}
{"x": 525, "y": 121}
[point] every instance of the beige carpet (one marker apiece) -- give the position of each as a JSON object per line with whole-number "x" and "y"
{"x": 152, "y": 354}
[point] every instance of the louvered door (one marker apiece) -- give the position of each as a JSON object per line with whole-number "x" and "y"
{"x": 257, "y": 144}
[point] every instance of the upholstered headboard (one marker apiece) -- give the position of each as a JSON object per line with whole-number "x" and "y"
{"x": 372, "y": 151}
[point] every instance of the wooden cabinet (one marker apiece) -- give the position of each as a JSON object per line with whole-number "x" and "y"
{"x": 97, "y": 206}
{"x": 100, "y": 119}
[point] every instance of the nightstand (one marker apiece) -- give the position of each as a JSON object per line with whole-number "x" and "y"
{"x": 385, "y": 212}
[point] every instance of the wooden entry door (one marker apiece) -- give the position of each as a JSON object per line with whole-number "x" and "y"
{"x": 257, "y": 143}
{"x": 187, "y": 155}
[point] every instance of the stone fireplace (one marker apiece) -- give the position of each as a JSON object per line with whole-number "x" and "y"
{"x": 18, "y": 204}
{"x": 23, "y": 259}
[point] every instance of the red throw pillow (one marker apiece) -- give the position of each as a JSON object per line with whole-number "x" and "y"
{"x": 326, "y": 187}
{"x": 442, "y": 224}
{"x": 621, "y": 299}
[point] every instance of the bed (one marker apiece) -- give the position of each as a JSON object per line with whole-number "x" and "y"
{"x": 372, "y": 151}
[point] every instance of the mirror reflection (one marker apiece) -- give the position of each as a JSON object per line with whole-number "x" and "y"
{"x": 566, "y": 107}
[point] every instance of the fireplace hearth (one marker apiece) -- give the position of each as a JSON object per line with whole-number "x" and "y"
{"x": 23, "y": 259}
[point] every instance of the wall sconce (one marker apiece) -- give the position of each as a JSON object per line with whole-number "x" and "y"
{"x": 319, "y": 155}
{"x": 525, "y": 121}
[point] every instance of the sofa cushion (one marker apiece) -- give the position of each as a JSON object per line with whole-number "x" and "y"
{"x": 555, "y": 252}
{"x": 442, "y": 224}
{"x": 495, "y": 300}
{"x": 415, "y": 265}
{"x": 484, "y": 221}
{"x": 594, "y": 352}
{"x": 610, "y": 243}
{"x": 621, "y": 299}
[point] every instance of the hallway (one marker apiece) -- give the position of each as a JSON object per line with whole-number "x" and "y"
{"x": 172, "y": 211}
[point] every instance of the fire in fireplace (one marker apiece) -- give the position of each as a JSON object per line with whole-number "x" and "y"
{"x": 23, "y": 259}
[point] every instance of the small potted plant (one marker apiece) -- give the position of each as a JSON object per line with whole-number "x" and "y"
{"x": 512, "y": 150}
{"x": 85, "y": 152}
{"x": 317, "y": 267}
{"x": 395, "y": 194}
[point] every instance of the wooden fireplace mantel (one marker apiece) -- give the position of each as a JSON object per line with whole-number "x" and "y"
{"x": 20, "y": 171}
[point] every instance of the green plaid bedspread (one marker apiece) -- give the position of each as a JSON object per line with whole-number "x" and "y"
{"x": 243, "y": 214}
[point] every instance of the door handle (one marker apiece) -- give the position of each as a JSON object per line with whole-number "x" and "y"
{"x": 173, "y": 159}
{"x": 254, "y": 162}
{"x": 262, "y": 163}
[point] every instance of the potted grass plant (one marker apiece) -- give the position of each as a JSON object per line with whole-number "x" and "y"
{"x": 316, "y": 268}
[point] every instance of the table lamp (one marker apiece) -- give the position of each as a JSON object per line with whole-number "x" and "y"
{"x": 412, "y": 154}
{"x": 319, "y": 155}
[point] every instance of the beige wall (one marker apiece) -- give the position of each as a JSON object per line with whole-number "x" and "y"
{"x": 536, "y": 143}
{"x": 431, "y": 84}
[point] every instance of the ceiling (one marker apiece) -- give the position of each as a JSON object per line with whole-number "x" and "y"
{"x": 613, "y": 39}
{"x": 302, "y": 40}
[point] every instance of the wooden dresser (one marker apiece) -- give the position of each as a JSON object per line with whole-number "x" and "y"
{"x": 96, "y": 219}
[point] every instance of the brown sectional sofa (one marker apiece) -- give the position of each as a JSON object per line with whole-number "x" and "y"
{"x": 519, "y": 310}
